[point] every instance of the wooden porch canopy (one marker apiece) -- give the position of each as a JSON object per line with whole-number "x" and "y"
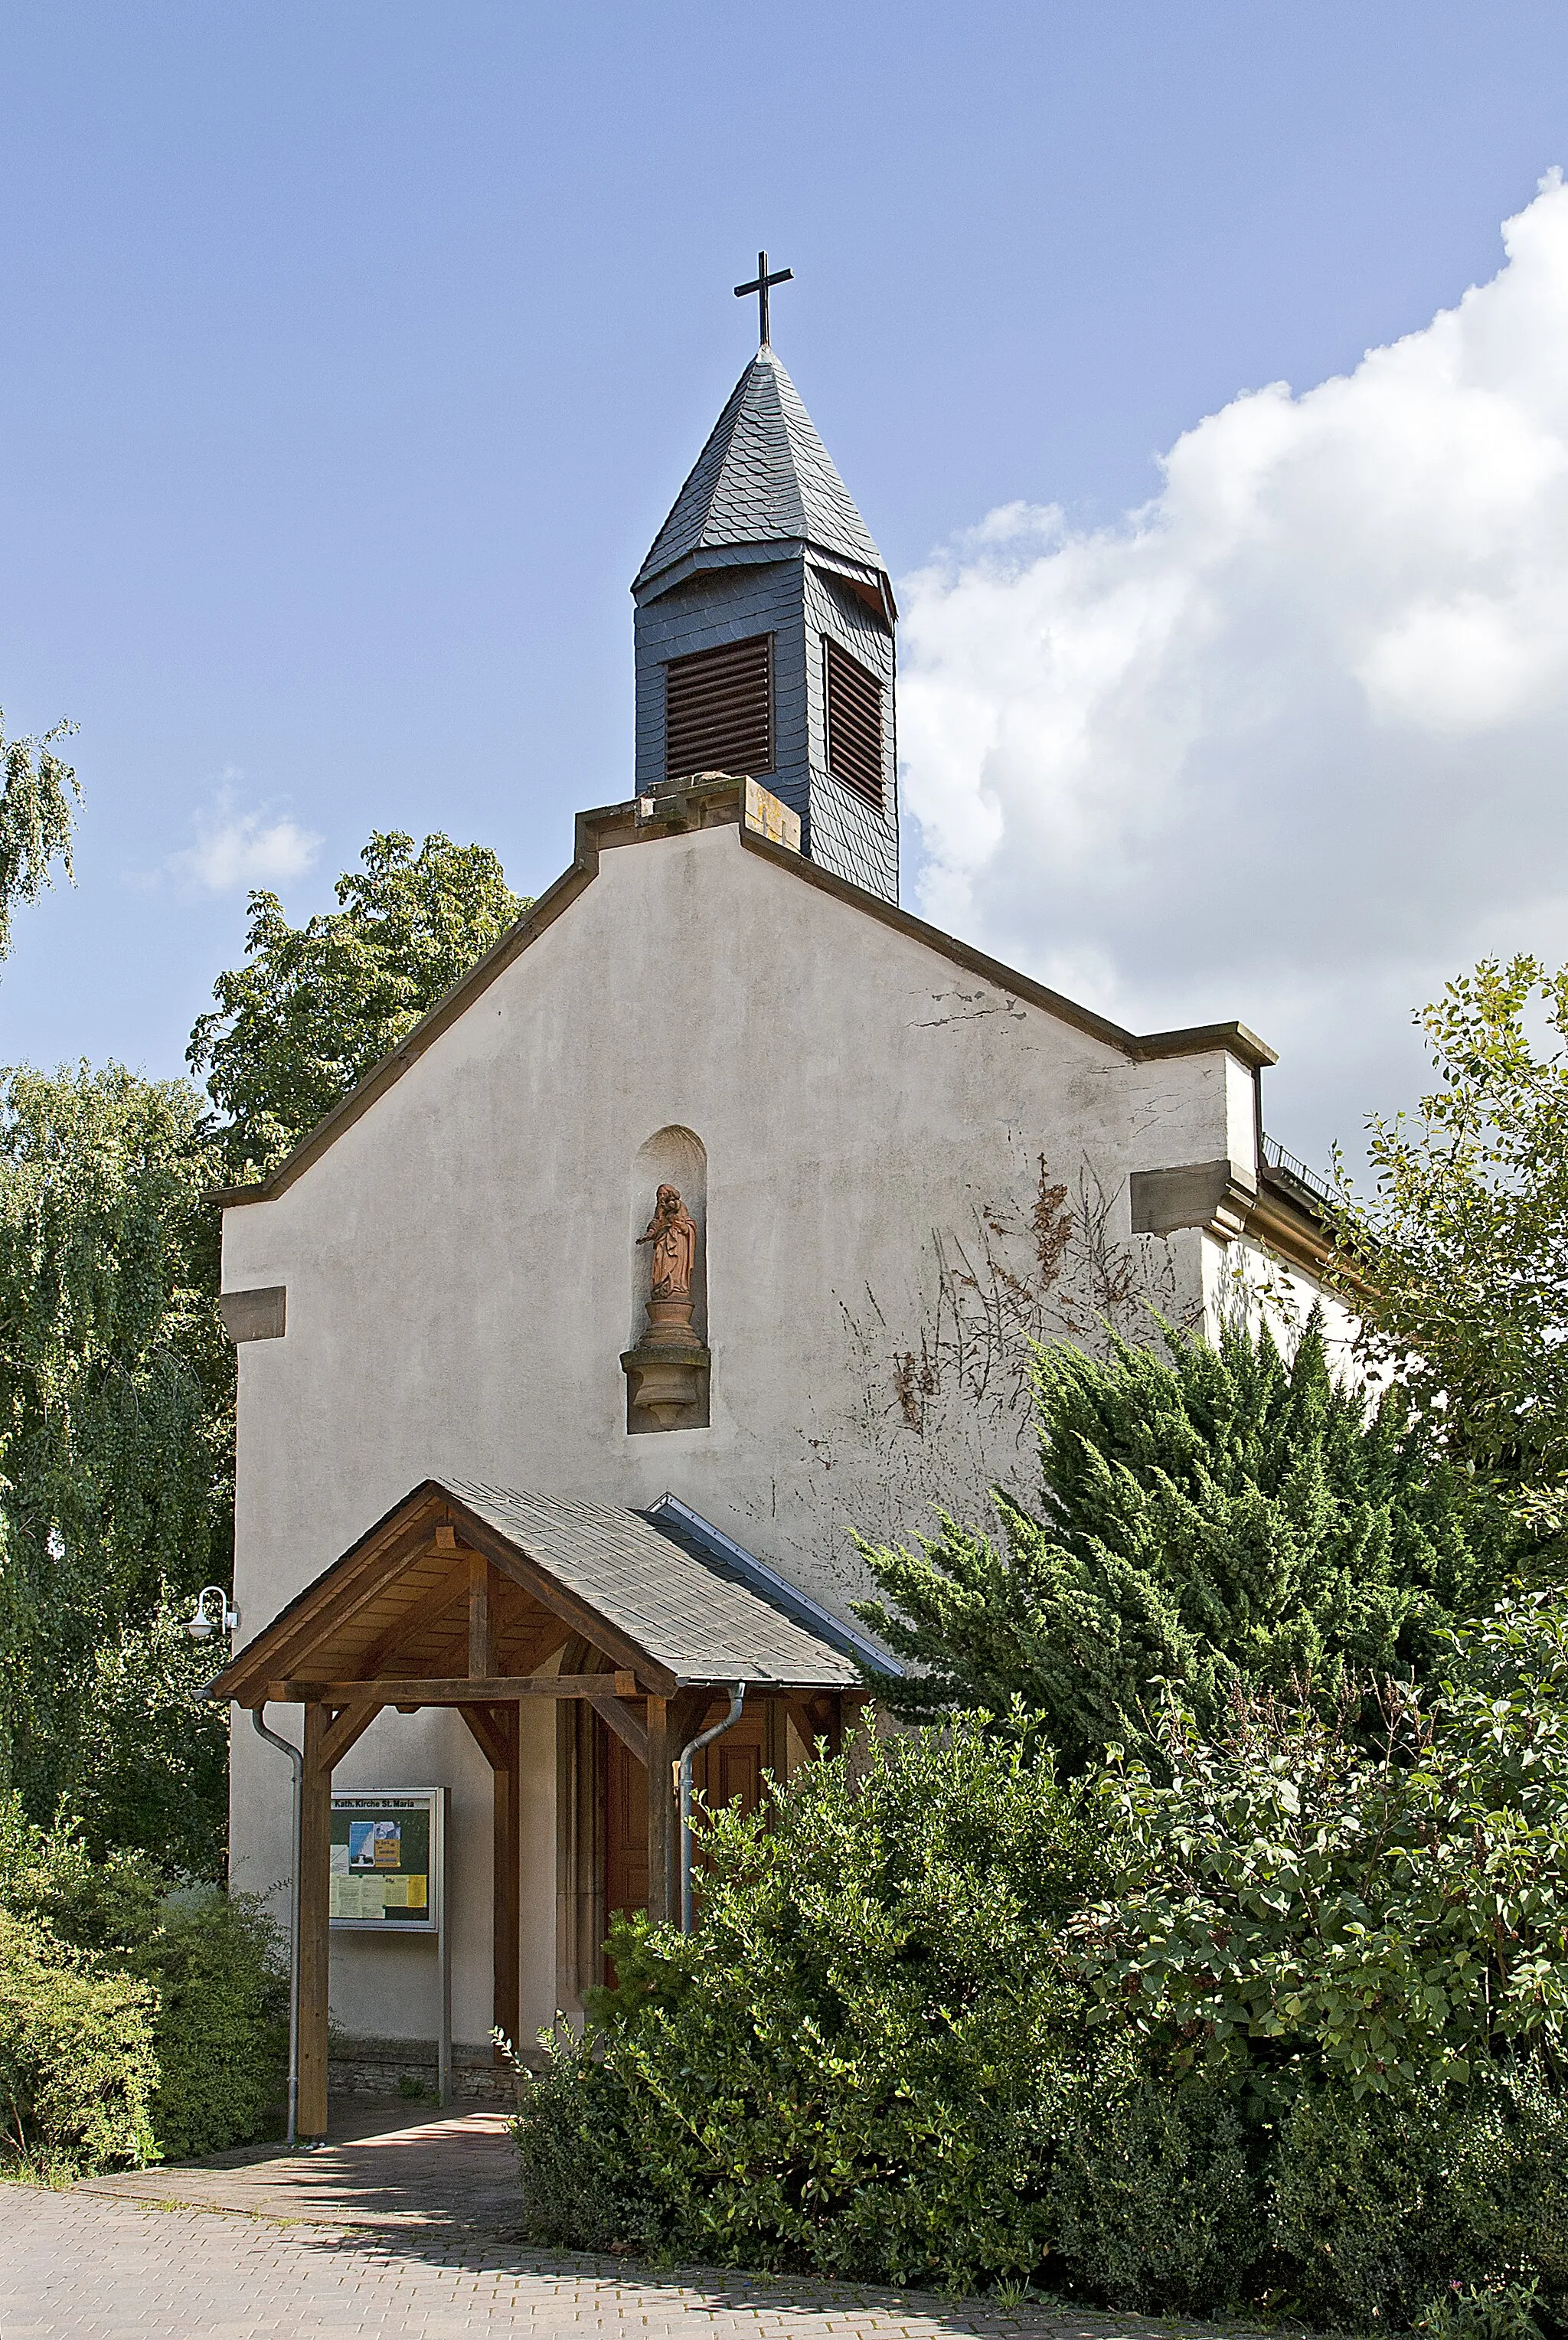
{"x": 474, "y": 1597}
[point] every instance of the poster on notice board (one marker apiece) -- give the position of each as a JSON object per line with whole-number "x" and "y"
{"x": 386, "y": 1859}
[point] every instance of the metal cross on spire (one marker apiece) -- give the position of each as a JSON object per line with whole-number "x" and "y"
{"x": 760, "y": 284}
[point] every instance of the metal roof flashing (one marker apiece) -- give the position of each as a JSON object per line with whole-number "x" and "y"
{"x": 669, "y": 1512}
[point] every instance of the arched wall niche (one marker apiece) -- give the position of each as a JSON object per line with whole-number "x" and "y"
{"x": 673, "y": 1157}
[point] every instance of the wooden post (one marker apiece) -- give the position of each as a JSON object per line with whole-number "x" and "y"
{"x": 313, "y": 1887}
{"x": 506, "y": 1873}
{"x": 481, "y": 1664}
{"x": 660, "y": 1815}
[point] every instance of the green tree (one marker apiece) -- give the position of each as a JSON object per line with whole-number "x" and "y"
{"x": 115, "y": 1397}
{"x": 1212, "y": 1518}
{"x": 36, "y": 792}
{"x": 316, "y": 1007}
{"x": 152, "y": 1765}
{"x": 1458, "y": 1263}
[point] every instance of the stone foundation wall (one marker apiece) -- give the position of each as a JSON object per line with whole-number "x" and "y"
{"x": 386, "y": 2068}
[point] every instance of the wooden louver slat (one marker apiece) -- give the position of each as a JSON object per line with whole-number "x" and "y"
{"x": 719, "y": 709}
{"x": 854, "y": 724}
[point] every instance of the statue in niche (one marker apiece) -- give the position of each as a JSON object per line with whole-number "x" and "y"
{"x": 667, "y": 1372}
{"x": 672, "y": 1232}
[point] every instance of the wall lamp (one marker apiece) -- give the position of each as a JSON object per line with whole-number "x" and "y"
{"x": 202, "y": 1626}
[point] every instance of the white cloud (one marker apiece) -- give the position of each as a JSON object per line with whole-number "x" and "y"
{"x": 235, "y": 850}
{"x": 1291, "y": 743}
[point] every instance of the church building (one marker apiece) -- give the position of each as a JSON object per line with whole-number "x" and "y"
{"x": 705, "y": 1225}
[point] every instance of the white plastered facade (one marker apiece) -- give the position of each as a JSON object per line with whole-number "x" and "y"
{"x": 461, "y": 1280}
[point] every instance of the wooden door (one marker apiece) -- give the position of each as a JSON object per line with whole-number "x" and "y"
{"x": 730, "y": 1770}
{"x": 625, "y": 1825}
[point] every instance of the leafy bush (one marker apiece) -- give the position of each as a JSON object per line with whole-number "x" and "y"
{"x": 845, "y": 2068}
{"x": 1283, "y": 2021}
{"x": 1215, "y": 1517}
{"x": 1381, "y": 2204}
{"x": 1156, "y": 2197}
{"x": 207, "y": 1966}
{"x": 222, "y": 2030}
{"x": 1290, "y": 1911}
{"x": 77, "y": 2065}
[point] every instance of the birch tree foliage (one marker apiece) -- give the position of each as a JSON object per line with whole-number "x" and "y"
{"x": 36, "y": 792}
{"x": 1457, "y": 1263}
{"x": 115, "y": 1392}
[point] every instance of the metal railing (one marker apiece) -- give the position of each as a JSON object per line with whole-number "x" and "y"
{"x": 1291, "y": 1166}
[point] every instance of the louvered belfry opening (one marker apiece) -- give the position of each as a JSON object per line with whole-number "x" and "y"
{"x": 719, "y": 709}
{"x": 854, "y": 723}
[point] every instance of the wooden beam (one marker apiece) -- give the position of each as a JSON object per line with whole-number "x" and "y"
{"x": 506, "y": 1876}
{"x": 480, "y": 1641}
{"x": 560, "y": 1601}
{"x": 427, "y": 1610}
{"x": 327, "y": 1606}
{"x": 661, "y": 1814}
{"x": 482, "y": 1726}
{"x": 528, "y": 1651}
{"x": 447, "y": 1690}
{"x": 497, "y": 1731}
{"x": 617, "y": 1716}
{"x": 313, "y": 1891}
{"x": 812, "y": 1713}
{"x": 343, "y": 1730}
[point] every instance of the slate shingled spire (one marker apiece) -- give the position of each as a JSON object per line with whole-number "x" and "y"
{"x": 764, "y": 547}
{"x": 763, "y": 478}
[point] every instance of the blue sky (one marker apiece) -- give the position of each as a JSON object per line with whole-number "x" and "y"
{"x": 355, "y": 351}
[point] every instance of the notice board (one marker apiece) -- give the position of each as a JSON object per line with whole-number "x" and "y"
{"x": 387, "y": 1859}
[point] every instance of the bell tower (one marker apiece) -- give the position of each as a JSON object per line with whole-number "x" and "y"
{"x": 764, "y": 630}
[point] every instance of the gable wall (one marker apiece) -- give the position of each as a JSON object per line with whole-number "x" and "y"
{"x": 458, "y": 1267}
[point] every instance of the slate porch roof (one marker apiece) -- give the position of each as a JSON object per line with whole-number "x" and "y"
{"x": 694, "y": 1605}
{"x": 763, "y": 478}
{"x": 664, "y": 1594}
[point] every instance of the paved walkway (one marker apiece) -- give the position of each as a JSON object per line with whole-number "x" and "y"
{"x": 407, "y": 2231}
{"x": 447, "y": 2176}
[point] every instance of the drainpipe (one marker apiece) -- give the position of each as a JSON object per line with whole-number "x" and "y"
{"x": 736, "y": 1700}
{"x": 294, "y": 1758}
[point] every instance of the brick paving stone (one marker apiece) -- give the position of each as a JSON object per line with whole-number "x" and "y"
{"x": 410, "y": 2234}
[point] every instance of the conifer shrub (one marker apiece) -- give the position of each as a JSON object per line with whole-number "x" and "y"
{"x": 1218, "y": 1519}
